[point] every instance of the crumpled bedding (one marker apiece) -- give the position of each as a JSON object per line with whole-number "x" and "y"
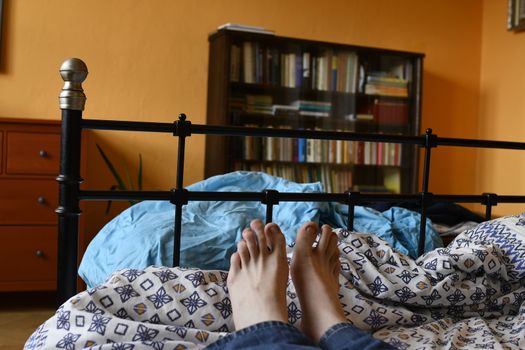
{"x": 469, "y": 295}
{"x": 142, "y": 235}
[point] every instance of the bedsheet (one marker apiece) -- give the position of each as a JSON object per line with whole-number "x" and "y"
{"x": 143, "y": 234}
{"x": 469, "y": 295}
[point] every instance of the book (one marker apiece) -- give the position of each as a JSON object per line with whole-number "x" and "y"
{"x": 392, "y": 180}
{"x": 284, "y": 109}
{"x": 392, "y": 113}
{"x": 235, "y": 63}
{"x": 248, "y": 62}
{"x": 306, "y": 76}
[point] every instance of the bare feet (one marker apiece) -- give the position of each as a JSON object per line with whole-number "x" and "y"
{"x": 315, "y": 274}
{"x": 258, "y": 276}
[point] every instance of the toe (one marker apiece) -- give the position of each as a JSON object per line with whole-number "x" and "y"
{"x": 326, "y": 237}
{"x": 244, "y": 253}
{"x": 251, "y": 242}
{"x": 235, "y": 264}
{"x": 332, "y": 246}
{"x": 258, "y": 227}
{"x": 306, "y": 237}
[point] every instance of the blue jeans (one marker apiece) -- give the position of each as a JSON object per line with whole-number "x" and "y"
{"x": 279, "y": 335}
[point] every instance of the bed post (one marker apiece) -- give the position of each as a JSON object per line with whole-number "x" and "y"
{"x": 426, "y": 197}
{"x": 182, "y": 129}
{"x": 72, "y": 101}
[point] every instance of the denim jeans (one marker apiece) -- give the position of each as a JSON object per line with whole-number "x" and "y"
{"x": 279, "y": 335}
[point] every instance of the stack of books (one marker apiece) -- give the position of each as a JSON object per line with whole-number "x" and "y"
{"x": 313, "y": 108}
{"x": 381, "y": 83}
{"x": 259, "y": 104}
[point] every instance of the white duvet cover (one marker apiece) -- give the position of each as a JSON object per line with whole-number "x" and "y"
{"x": 469, "y": 295}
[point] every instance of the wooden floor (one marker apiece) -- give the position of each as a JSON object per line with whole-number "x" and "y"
{"x": 21, "y": 314}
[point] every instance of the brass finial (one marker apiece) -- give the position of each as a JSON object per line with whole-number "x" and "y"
{"x": 73, "y": 71}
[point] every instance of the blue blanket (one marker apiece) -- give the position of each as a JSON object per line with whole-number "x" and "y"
{"x": 142, "y": 235}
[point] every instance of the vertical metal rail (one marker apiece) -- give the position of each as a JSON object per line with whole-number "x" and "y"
{"x": 270, "y": 199}
{"x": 352, "y": 199}
{"x": 430, "y": 141}
{"x": 72, "y": 101}
{"x": 489, "y": 200}
{"x": 182, "y": 129}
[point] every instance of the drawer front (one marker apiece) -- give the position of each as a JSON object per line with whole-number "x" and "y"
{"x": 28, "y": 256}
{"x": 32, "y": 153}
{"x": 28, "y": 202}
{"x": 1, "y": 151}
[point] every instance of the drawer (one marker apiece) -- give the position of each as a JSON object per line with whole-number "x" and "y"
{"x": 28, "y": 201}
{"x": 1, "y": 152}
{"x": 28, "y": 256}
{"x": 32, "y": 153}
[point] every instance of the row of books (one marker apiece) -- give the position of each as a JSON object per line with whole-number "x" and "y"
{"x": 333, "y": 180}
{"x": 379, "y": 111}
{"x": 320, "y": 151}
{"x": 252, "y": 62}
{"x": 262, "y": 104}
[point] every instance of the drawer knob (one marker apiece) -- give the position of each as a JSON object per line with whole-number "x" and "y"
{"x": 43, "y": 153}
{"x": 42, "y": 200}
{"x": 39, "y": 253}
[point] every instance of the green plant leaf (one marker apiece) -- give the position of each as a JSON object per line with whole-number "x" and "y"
{"x": 130, "y": 182}
{"x": 108, "y": 206}
{"x": 128, "y": 177}
{"x": 121, "y": 184}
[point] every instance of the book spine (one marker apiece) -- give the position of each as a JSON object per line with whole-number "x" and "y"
{"x": 333, "y": 86}
{"x": 248, "y": 62}
{"x": 298, "y": 70}
{"x": 306, "y": 76}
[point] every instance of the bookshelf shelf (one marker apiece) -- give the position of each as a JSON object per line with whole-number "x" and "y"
{"x": 262, "y": 80}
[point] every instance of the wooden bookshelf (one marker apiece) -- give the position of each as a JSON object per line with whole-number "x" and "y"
{"x": 264, "y": 80}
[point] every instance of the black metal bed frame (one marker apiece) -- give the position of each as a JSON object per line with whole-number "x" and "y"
{"x": 72, "y": 100}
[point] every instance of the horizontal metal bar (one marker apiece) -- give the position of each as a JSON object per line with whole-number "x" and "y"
{"x": 307, "y": 134}
{"x": 96, "y": 124}
{"x": 293, "y": 133}
{"x": 117, "y": 125}
{"x": 447, "y": 141}
{"x": 288, "y": 197}
{"x": 124, "y": 195}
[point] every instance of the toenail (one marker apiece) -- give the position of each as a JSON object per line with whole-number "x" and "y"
{"x": 310, "y": 230}
{"x": 274, "y": 230}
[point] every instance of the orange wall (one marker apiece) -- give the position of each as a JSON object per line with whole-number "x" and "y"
{"x": 148, "y": 61}
{"x": 502, "y": 105}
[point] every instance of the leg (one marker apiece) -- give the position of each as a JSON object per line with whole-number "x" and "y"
{"x": 257, "y": 287}
{"x": 258, "y": 276}
{"x": 315, "y": 274}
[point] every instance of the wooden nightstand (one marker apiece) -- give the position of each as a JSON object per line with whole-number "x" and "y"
{"x": 29, "y": 164}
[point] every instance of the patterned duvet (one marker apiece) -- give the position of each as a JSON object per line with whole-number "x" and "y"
{"x": 469, "y": 295}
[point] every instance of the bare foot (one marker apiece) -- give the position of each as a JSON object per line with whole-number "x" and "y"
{"x": 258, "y": 276}
{"x": 315, "y": 274}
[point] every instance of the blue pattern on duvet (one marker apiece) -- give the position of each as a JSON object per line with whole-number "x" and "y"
{"x": 143, "y": 234}
{"x": 468, "y": 295}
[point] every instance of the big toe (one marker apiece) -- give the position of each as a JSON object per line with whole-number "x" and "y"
{"x": 306, "y": 237}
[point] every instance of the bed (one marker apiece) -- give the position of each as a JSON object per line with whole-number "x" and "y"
{"x": 468, "y": 294}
